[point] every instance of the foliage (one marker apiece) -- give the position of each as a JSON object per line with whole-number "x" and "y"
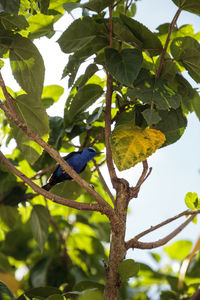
{"x": 61, "y": 252}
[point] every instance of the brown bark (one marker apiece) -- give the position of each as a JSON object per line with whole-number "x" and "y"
{"x": 117, "y": 245}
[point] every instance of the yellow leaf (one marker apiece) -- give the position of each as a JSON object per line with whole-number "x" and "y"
{"x": 131, "y": 144}
{"x": 10, "y": 281}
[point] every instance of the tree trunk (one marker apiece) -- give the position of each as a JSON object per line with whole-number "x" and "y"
{"x": 117, "y": 245}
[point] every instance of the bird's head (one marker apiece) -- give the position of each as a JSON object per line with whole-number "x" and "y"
{"x": 91, "y": 152}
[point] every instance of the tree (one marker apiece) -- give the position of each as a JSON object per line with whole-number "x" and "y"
{"x": 140, "y": 104}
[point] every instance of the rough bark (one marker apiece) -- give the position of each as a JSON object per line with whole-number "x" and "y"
{"x": 117, "y": 245}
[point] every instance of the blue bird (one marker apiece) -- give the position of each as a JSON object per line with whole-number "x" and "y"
{"x": 77, "y": 160}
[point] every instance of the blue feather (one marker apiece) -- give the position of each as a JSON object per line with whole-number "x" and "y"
{"x": 77, "y": 160}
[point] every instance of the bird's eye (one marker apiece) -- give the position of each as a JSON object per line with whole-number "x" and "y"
{"x": 91, "y": 150}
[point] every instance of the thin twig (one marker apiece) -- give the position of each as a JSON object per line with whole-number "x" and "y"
{"x": 109, "y": 93}
{"x": 135, "y": 190}
{"x": 8, "y": 97}
{"x": 162, "y": 59}
{"x": 134, "y": 243}
{"x": 104, "y": 182}
{"x": 43, "y": 171}
{"x": 152, "y": 228}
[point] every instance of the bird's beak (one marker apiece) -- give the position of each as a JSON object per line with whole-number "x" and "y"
{"x": 98, "y": 153}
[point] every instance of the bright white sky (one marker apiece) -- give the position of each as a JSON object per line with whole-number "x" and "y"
{"x": 175, "y": 168}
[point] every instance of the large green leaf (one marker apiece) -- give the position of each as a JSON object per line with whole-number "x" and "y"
{"x": 173, "y": 124}
{"x": 124, "y": 66}
{"x": 186, "y": 51}
{"x": 149, "y": 40}
{"x": 82, "y": 100}
{"x": 8, "y": 215}
{"x": 179, "y": 249}
{"x": 78, "y": 35}
{"x": 33, "y": 114}
{"x": 150, "y": 90}
{"x": 5, "y": 293}
{"x": 15, "y": 23}
{"x": 40, "y": 224}
{"x": 11, "y": 6}
{"x": 97, "y": 5}
{"x": 40, "y": 25}
{"x": 42, "y": 292}
{"x": 192, "y": 6}
{"x": 122, "y": 33}
{"x": 27, "y": 65}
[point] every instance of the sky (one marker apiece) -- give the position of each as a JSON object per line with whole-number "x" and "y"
{"x": 175, "y": 168}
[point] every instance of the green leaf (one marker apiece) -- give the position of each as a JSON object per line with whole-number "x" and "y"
{"x": 5, "y": 293}
{"x": 128, "y": 268}
{"x": 51, "y": 94}
{"x": 97, "y": 5}
{"x": 91, "y": 70}
{"x": 88, "y": 284}
{"x": 192, "y": 201}
{"x": 70, "y": 6}
{"x": 124, "y": 66}
{"x": 173, "y": 124}
{"x": 179, "y": 249}
{"x": 122, "y": 32}
{"x": 40, "y": 224}
{"x": 82, "y": 100}
{"x": 186, "y": 51}
{"x": 27, "y": 65}
{"x": 55, "y": 297}
{"x": 4, "y": 264}
{"x": 192, "y": 6}
{"x": 40, "y": 25}
{"x": 151, "y": 116}
{"x": 14, "y": 195}
{"x": 196, "y": 104}
{"x": 95, "y": 115}
{"x": 42, "y": 292}
{"x": 10, "y": 7}
{"x": 9, "y": 215}
{"x": 91, "y": 295}
{"x": 155, "y": 256}
{"x": 78, "y": 35}
{"x": 31, "y": 111}
{"x": 15, "y": 23}
{"x": 149, "y": 90}
{"x": 149, "y": 40}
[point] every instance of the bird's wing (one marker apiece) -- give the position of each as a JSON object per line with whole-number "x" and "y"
{"x": 65, "y": 158}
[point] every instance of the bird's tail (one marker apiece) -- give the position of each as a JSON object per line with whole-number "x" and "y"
{"x": 47, "y": 186}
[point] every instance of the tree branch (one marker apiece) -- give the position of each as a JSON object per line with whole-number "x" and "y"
{"x": 104, "y": 182}
{"x": 109, "y": 92}
{"x": 162, "y": 59}
{"x": 134, "y": 243}
{"x": 135, "y": 190}
{"x": 33, "y": 136}
{"x": 46, "y": 194}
